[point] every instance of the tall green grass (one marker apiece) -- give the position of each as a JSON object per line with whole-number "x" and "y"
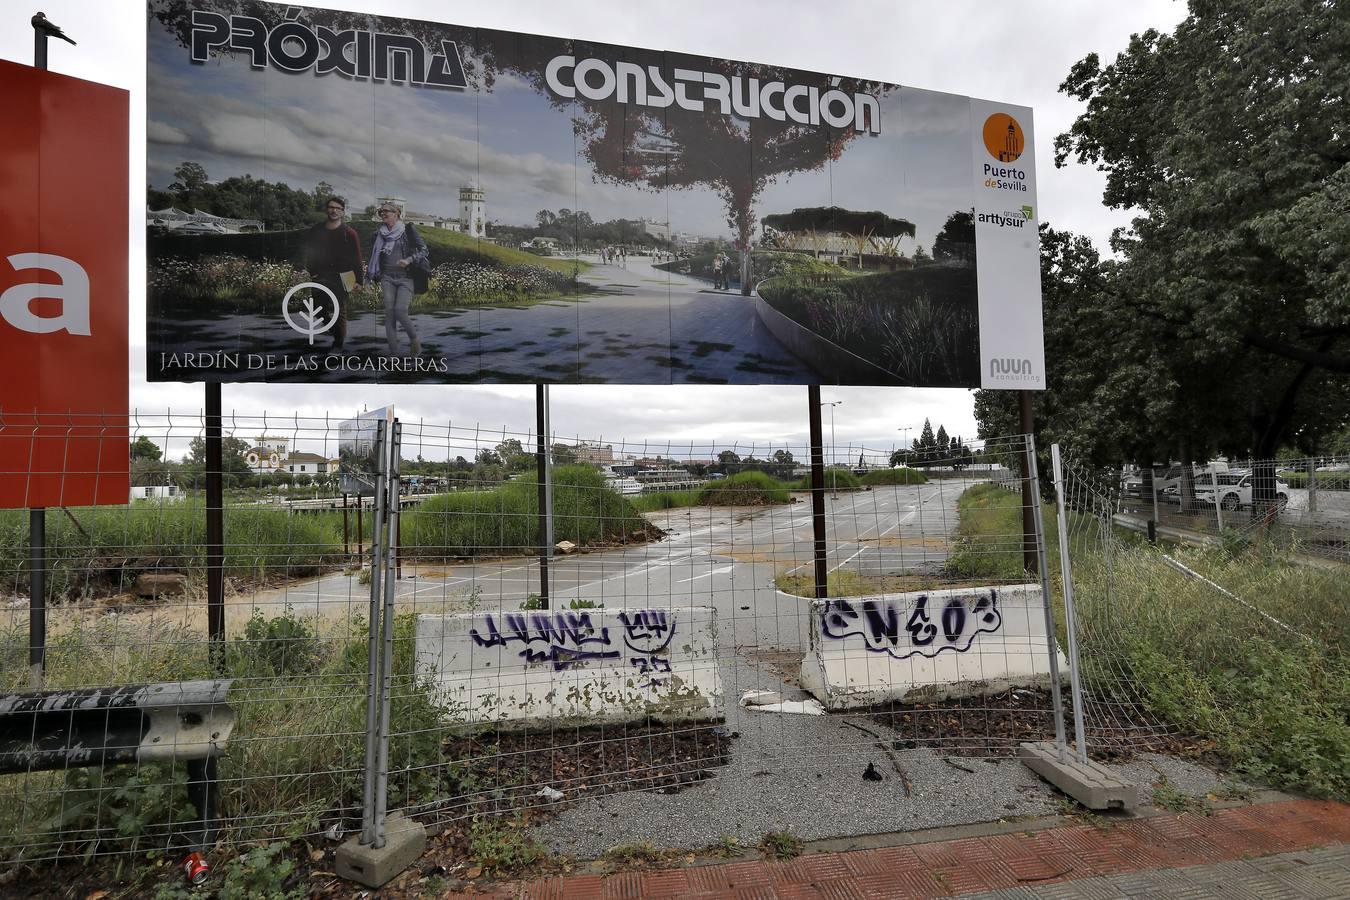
{"x": 586, "y": 511}
{"x": 836, "y": 478}
{"x": 1273, "y": 698}
{"x": 901, "y": 475}
{"x": 95, "y": 550}
{"x": 664, "y": 500}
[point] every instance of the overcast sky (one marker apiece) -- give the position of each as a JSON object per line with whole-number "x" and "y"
{"x": 1017, "y": 53}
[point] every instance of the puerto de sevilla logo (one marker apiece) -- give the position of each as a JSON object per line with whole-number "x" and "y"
{"x": 1003, "y": 137}
{"x": 73, "y": 291}
{"x": 309, "y": 320}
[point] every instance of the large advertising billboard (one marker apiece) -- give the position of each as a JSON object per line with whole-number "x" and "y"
{"x": 341, "y": 197}
{"x": 63, "y": 290}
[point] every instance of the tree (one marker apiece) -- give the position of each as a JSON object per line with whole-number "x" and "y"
{"x": 956, "y": 240}
{"x": 943, "y": 443}
{"x": 1229, "y": 137}
{"x": 145, "y": 449}
{"x": 563, "y": 454}
{"x": 234, "y": 467}
{"x": 191, "y": 177}
{"x": 925, "y": 444}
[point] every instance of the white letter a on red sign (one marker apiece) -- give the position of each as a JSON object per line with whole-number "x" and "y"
{"x": 73, "y": 292}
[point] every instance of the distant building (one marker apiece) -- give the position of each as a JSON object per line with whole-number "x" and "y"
{"x": 656, "y": 229}
{"x": 472, "y": 212}
{"x": 595, "y": 454}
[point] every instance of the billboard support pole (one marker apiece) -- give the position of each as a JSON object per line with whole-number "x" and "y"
{"x": 37, "y": 593}
{"x": 37, "y": 516}
{"x": 1029, "y": 560}
{"x": 346, "y": 533}
{"x": 215, "y": 521}
{"x": 818, "y": 491}
{"x": 545, "y": 492}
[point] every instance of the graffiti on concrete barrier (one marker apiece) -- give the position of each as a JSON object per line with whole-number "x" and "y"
{"x": 647, "y": 630}
{"x": 913, "y": 627}
{"x": 652, "y": 667}
{"x": 567, "y": 639}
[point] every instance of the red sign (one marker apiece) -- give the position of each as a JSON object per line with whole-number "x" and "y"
{"x": 63, "y": 290}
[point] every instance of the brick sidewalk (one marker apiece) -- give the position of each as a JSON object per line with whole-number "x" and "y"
{"x": 1002, "y": 862}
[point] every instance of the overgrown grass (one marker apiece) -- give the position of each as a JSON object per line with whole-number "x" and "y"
{"x": 586, "y": 510}
{"x": 900, "y": 475}
{"x": 664, "y": 500}
{"x": 989, "y": 535}
{"x": 99, "y": 550}
{"x": 294, "y": 760}
{"x": 837, "y": 478}
{"x": 1275, "y": 700}
{"x": 1272, "y": 696}
{"x": 744, "y": 489}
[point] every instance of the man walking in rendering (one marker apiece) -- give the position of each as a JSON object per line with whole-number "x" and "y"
{"x": 333, "y": 259}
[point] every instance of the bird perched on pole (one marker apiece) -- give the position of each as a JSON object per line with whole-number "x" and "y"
{"x": 49, "y": 28}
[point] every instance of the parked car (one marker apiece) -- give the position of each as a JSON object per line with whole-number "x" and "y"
{"x": 1168, "y": 482}
{"x": 1235, "y": 490}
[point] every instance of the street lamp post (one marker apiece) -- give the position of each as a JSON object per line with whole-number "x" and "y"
{"x": 834, "y": 459}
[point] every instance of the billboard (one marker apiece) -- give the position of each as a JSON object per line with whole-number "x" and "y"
{"x": 342, "y": 197}
{"x": 63, "y": 291}
{"x": 358, "y": 451}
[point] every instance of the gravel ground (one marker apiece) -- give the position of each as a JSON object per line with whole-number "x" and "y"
{"x": 805, "y": 774}
{"x": 1187, "y": 777}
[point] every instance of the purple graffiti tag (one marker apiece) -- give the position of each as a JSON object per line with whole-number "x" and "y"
{"x": 562, "y": 638}
{"x": 877, "y": 622}
{"x": 647, "y": 630}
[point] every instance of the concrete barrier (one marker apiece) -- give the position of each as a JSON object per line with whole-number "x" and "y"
{"x": 927, "y": 645}
{"x": 586, "y": 665}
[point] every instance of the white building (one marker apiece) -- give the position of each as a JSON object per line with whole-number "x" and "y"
{"x": 471, "y": 205}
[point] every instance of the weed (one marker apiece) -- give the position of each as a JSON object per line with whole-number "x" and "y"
{"x": 282, "y": 645}
{"x": 636, "y": 855}
{"x": 1167, "y": 796}
{"x": 1233, "y": 790}
{"x": 726, "y": 846}
{"x": 503, "y": 846}
{"x": 583, "y": 604}
{"x": 261, "y": 872}
{"x": 532, "y": 602}
{"x": 780, "y": 845}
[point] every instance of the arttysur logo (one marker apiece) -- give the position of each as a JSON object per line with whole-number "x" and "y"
{"x": 1003, "y": 137}
{"x": 312, "y": 322}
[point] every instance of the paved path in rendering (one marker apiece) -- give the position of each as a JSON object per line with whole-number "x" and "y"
{"x": 642, "y": 325}
{"x": 1290, "y": 848}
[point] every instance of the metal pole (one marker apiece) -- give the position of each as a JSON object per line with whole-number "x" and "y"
{"x": 818, "y": 492}
{"x": 1038, "y": 521}
{"x": 37, "y": 593}
{"x": 346, "y": 532}
{"x": 1153, "y": 489}
{"x": 1218, "y": 507}
{"x": 545, "y": 545}
{"x": 1070, "y": 616}
{"x": 37, "y": 516}
{"x": 387, "y": 662}
{"x": 372, "y": 643}
{"x": 215, "y": 520}
{"x": 834, "y": 456}
{"x": 1029, "y": 501}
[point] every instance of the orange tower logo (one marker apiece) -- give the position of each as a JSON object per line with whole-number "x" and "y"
{"x": 1003, "y": 137}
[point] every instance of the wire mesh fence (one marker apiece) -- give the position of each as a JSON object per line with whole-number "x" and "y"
{"x": 670, "y": 633}
{"x": 1155, "y": 620}
{"x": 1308, "y": 500}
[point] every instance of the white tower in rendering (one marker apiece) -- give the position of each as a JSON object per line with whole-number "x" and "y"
{"x": 471, "y": 218}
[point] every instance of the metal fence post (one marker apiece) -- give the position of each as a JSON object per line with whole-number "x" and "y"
{"x": 373, "y": 645}
{"x": 1038, "y": 522}
{"x": 387, "y": 660}
{"x": 1070, "y": 616}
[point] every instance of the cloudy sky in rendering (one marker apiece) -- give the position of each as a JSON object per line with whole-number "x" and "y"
{"x": 1017, "y": 53}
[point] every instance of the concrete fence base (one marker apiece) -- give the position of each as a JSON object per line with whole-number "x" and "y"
{"x": 927, "y": 645}
{"x": 580, "y": 666}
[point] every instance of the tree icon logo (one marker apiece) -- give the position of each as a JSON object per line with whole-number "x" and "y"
{"x": 310, "y": 317}
{"x": 1003, "y": 137}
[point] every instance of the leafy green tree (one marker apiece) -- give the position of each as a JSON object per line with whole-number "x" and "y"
{"x": 1231, "y": 137}
{"x": 145, "y": 449}
{"x": 956, "y": 240}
